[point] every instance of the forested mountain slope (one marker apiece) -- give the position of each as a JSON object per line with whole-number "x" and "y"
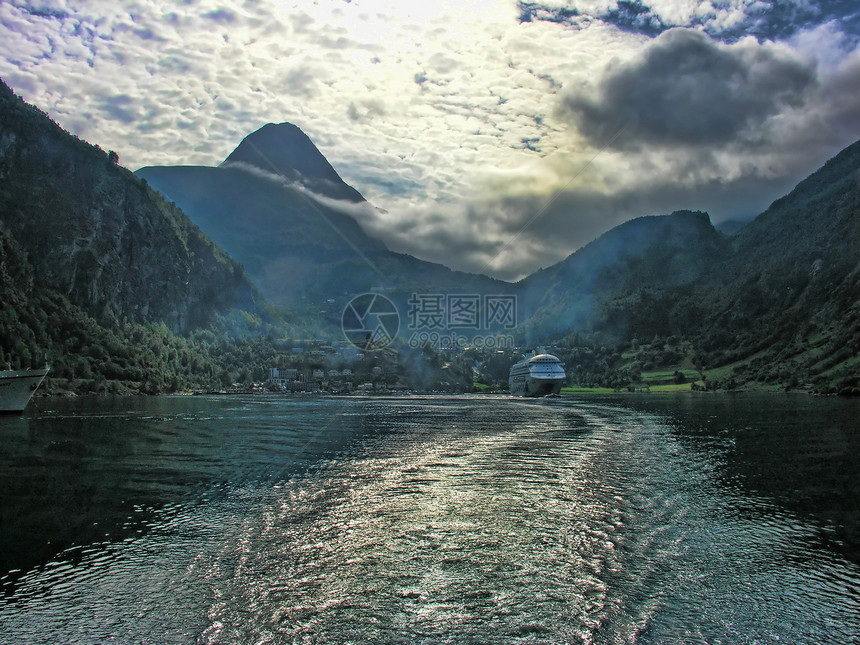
{"x": 100, "y": 236}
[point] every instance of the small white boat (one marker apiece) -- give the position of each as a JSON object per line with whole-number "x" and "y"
{"x": 17, "y": 388}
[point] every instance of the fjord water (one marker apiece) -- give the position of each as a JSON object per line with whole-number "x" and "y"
{"x": 647, "y": 519}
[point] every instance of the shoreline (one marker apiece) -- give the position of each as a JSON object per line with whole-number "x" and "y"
{"x": 567, "y": 391}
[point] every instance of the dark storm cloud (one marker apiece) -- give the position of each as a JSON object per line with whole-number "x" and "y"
{"x": 728, "y": 21}
{"x": 688, "y": 89}
{"x": 842, "y": 96}
{"x": 577, "y": 217}
{"x": 46, "y": 12}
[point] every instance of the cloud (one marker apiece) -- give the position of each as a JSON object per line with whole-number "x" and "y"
{"x": 725, "y": 20}
{"x": 513, "y": 235}
{"x": 461, "y": 120}
{"x": 120, "y": 107}
{"x": 223, "y": 16}
{"x": 360, "y": 211}
{"x": 688, "y": 89}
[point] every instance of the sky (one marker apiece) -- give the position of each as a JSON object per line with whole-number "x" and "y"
{"x": 493, "y": 136}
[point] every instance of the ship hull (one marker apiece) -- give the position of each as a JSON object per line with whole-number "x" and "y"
{"x": 530, "y": 386}
{"x": 17, "y": 388}
{"x": 541, "y": 375}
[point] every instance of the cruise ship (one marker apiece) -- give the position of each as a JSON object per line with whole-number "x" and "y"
{"x": 17, "y": 387}
{"x": 537, "y": 375}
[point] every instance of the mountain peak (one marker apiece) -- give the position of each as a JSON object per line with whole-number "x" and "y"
{"x": 283, "y": 149}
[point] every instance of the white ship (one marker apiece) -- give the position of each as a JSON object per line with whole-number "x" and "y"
{"x": 537, "y": 375}
{"x": 17, "y": 387}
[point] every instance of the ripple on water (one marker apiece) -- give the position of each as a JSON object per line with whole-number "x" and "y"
{"x": 459, "y": 522}
{"x": 489, "y": 534}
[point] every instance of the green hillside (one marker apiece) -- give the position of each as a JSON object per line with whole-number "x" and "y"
{"x": 107, "y": 282}
{"x": 100, "y": 236}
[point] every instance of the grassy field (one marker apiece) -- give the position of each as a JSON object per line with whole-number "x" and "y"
{"x": 670, "y": 387}
{"x": 727, "y": 371}
{"x": 667, "y": 376}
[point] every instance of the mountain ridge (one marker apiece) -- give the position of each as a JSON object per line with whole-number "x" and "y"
{"x": 664, "y": 275}
{"x": 655, "y": 253}
{"x": 297, "y": 248}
